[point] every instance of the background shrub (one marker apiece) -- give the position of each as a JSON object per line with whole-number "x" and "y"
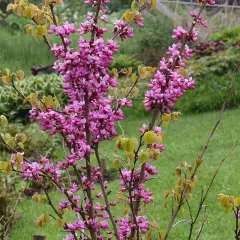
{"x": 125, "y": 61}
{"x": 212, "y": 75}
{"x": 11, "y": 104}
{"x": 230, "y": 35}
{"x": 38, "y": 142}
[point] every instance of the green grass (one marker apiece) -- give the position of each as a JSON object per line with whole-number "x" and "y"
{"x": 184, "y": 139}
{"x": 20, "y": 51}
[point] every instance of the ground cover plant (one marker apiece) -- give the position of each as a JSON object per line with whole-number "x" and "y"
{"x": 90, "y": 116}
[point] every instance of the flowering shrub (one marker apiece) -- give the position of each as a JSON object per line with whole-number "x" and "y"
{"x": 90, "y": 116}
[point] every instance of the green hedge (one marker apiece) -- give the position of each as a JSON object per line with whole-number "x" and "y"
{"x": 231, "y": 35}
{"x": 212, "y": 75}
{"x": 11, "y": 104}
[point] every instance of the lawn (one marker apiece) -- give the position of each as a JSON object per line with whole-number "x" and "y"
{"x": 184, "y": 139}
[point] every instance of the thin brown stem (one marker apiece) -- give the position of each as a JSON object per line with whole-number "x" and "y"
{"x": 88, "y": 165}
{"x": 95, "y": 21}
{"x": 45, "y": 39}
{"x": 51, "y": 5}
{"x": 17, "y": 90}
{"x": 106, "y": 196}
{"x": 203, "y": 223}
{"x": 50, "y": 203}
{"x": 128, "y": 94}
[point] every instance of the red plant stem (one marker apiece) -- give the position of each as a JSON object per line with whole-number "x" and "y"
{"x": 87, "y": 130}
{"x": 88, "y": 165}
{"x": 95, "y": 21}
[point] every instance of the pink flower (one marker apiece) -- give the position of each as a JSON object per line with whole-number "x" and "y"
{"x": 73, "y": 188}
{"x": 144, "y": 128}
{"x": 143, "y": 223}
{"x": 104, "y": 224}
{"x": 122, "y": 30}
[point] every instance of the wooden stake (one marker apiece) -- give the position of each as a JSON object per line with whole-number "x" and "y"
{"x": 39, "y": 237}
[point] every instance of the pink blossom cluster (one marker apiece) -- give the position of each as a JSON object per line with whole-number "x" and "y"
{"x": 123, "y": 30}
{"x": 64, "y": 30}
{"x": 126, "y": 226}
{"x": 89, "y": 25}
{"x": 171, "y": 81}
{"x": 210, "y": 2}
{"x": 35, "y": 171}
{"x": 199, "y": 19}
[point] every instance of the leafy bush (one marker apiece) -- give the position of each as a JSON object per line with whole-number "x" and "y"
{"x": 11, "y": 104}
{"x": 37, "y": 142}
{"x": 209, "y": 48}
{"x": 230, "y": 35}
{"x": 119, "y": 5}
{"x": 212, "y": 75}
{"x": 124, "y": 61}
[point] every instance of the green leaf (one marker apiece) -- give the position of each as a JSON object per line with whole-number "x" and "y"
{"x": 116, "y": 164}
{"x": 151, "y": 137}
{"x": 41, "y": 30}
{"x": 6, "y": 80}
{"x": 3, "y": 121}
{"x": 7, "y": 167}
{"x": 143, "y": 157}
{"x": 133, "y": 5}
{"x": 59, "y": 223}
{"x": 7, "y": 71}
{"x": 21, "y": 145}
{"x": 128, "y": 145}
{"x": 153, "y": 4}
{"x": 48, "y": 101}
{"x": 21, "y": 137}
{"x": 20, "y": 74}
{"x": 129, "y": 16}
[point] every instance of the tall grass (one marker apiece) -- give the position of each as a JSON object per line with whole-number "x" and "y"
{"x": 20, "y": 51}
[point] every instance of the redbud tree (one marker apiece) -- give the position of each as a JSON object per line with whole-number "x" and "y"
{"x": 90, "y": 116}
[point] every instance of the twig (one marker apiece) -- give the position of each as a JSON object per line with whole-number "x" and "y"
{"x": 51, "y": 203}
{"x": 203, "y": 223}
{"x": 181, "y": 221}
{"x": 156, "y": 108}
{"x": 120, "y": 31}
{"x": 106, "y": 196}
{"x": 51, "y": 5}
{"x": 237, "y": 231}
